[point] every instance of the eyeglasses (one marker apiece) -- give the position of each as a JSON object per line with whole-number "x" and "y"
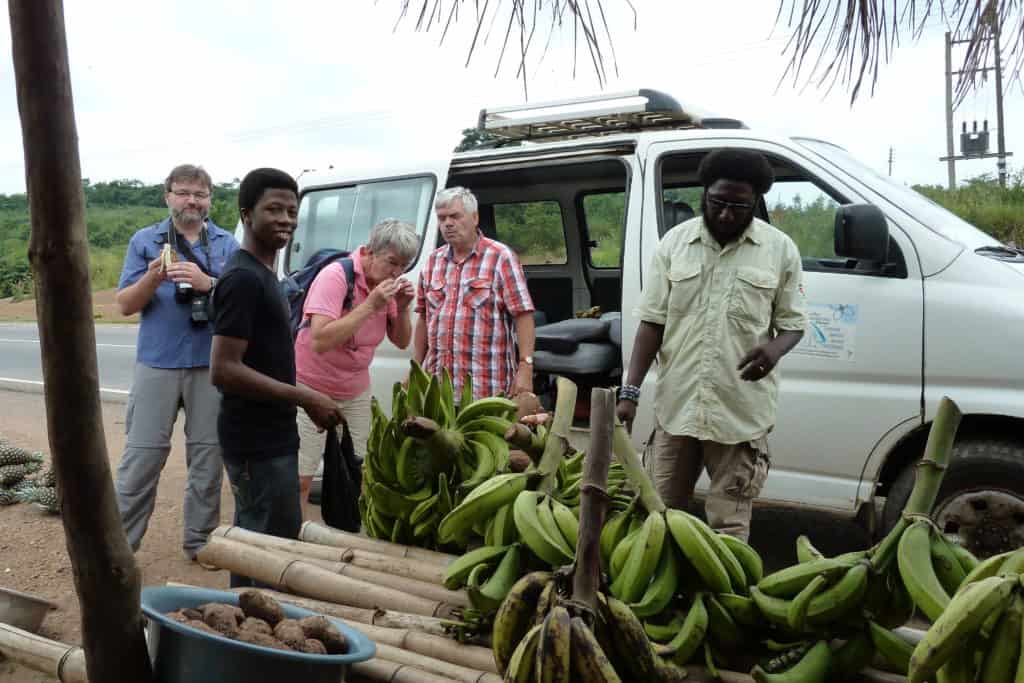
{"x": 720, "y": 205}
{"x": 185, "y": 194}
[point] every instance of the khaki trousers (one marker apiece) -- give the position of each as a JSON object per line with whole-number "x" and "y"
{"x": 737, "y": 472}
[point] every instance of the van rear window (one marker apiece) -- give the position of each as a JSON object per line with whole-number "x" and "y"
{"x": 341, "y": 217}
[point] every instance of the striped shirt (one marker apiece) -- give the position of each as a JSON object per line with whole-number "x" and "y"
{"x": 470, "y": 307}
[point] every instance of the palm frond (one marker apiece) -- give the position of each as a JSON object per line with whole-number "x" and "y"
{"x": 860, "y": 36}
{"x": 525, "y": 21}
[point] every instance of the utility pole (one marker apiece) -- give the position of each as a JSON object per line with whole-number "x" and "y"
{"x": 950, "y": 149}
{"x": 974, "y": 145}
{"x": 890, "y": 161}
{"x": 1000, "y": 135}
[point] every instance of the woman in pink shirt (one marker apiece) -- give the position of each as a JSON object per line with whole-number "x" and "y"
{"x": 333, "y": 353}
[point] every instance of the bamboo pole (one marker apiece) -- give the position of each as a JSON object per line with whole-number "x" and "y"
{"x": 66, "y": 663}
{"x": 389, "y": 564}
{"x": 106, "y": 577}
{"x": 297, "y": 576}
{"x": 431, "y": 591}
{"x": 437, "y": 666}
{"x": 313, "y": 532}
{"x": 389, "y": 672}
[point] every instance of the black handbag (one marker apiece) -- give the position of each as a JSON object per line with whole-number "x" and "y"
{"x": 343, "y": 477}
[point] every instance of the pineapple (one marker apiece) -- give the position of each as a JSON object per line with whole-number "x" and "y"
{"x": 9, "y": 496}
{"x": 15, "y": 455}
{"x": 12, "y": 474}
{"x": 44, "y": 497}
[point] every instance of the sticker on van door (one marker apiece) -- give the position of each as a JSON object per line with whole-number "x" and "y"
{"x": 831, "y": 332}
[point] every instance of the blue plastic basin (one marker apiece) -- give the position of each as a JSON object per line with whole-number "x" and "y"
{"x": 181, "y": 654}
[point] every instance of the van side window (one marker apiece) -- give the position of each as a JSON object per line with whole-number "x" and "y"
{"x": 605, "y": 216}
{"x": 341, "y": 217}
{"x": 534, "y": 230}
{"x": 803, "y": 211}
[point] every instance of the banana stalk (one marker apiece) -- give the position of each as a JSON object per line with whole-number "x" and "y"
{"x": 557, "y": 445}
{"x": 932, "y": 466}
{"x": 630, "y": 461}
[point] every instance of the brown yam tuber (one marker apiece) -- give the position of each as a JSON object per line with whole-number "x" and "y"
{"x": 256, "y": 604}
{"x": 257, "y": 626}
{"x": 320, "y": 628}
{"x": 221, "y": 618}
{"x": 312, "y": 646}
{"x": 178, "y": 616}
{"x": 518, "y": 461}
{"x": 290, "y": 633}
{"x": 201, "y": 626}
{"x": 254, "y": 638}
{"x": 192, "y": 613}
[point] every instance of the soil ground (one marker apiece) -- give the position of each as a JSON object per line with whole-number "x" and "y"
{"x": 33, "y": 555}
{"x": 103, "y": 305}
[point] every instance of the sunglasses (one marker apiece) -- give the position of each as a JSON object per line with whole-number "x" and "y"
{"x": 719, "y": 205}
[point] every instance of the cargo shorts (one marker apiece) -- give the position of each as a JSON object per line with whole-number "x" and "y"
{"x": 737, "y": 472}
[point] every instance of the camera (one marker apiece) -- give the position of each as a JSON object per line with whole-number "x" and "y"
{"x": 200, "y": 314}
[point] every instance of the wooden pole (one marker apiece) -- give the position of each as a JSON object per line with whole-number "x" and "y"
{"x": 313, "y": 532}
{"x": 106, "y": 577}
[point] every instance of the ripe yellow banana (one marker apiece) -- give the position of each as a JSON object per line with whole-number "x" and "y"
{"x": 589, "y": 662}
{"x": 700, "y": 554}
{"x": 554, "y": 650}
{"x": 914, "y": 558}
{"x": 957, "y": 624}
{"x": 513, "y": 619}
{"x": 521, "y": 664}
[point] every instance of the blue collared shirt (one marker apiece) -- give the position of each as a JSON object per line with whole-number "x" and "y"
{"x": 167, "y": 338}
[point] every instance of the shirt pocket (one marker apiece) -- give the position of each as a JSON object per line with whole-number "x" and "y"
{"x": 684, "y": 289}
{"x": 478, "y": 293}
{"x": 436, "y": 294}
{"x": 752, "y": 295}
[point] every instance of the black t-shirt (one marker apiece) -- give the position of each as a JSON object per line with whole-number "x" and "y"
{"x": 248, "y": 305}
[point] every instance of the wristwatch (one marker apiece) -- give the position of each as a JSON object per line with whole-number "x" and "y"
{"x": 528, "y": 360}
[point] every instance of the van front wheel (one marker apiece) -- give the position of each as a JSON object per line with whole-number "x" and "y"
{"x": 981, "y": 502}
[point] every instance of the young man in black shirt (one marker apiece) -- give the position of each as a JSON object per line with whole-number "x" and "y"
{"x": 252, "y": 362}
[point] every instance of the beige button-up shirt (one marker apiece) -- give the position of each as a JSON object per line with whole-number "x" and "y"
{"x": 716, "y": 304}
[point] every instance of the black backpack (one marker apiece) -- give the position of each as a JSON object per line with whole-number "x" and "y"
{"x": 295, "y": 285}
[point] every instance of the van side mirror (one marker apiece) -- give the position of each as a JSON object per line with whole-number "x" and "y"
{"x": 862, "y": 233}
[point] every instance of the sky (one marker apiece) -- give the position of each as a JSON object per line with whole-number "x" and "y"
{"x": 236, "y": 84}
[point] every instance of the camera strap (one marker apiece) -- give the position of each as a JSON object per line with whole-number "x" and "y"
{"x": 186, "y": 249}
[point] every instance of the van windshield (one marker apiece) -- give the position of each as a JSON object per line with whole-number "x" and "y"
{"x": 920, "y": 208}
{"x": 341, "y": 217}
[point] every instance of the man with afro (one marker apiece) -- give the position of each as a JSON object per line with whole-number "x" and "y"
{"x": 722, "y": 304}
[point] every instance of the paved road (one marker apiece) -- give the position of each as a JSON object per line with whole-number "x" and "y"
{"x": 115, "y": 351}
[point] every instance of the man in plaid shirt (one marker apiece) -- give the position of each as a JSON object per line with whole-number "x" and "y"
{"x": 475, "y": 313}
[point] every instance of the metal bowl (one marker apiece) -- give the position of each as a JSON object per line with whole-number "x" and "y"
{"x": 22, "y": 610}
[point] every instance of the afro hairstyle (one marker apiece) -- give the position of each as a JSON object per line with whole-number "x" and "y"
{"x": 738, "y": 165}
{"x": 258, "y": 181}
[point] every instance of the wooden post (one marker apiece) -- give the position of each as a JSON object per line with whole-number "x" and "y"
{"x": 106, "y": 577}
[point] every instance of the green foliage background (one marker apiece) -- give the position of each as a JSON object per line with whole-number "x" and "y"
{"x": 114, "y": 211}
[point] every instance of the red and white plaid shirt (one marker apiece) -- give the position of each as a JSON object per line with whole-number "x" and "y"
{"x": 470, "y": 310}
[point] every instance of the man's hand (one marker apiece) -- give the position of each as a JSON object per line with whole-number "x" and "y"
{"x": 385, "y": 291}
{"x": 524, "y": 379}
{"x": 155, "y": 269}
{"x": 625, "y": 411}
{"x": 758, "y": 363}
{"x": 186, "y": 271}
{"x": 405, "y": 294}
{"x": 323, "y": 411}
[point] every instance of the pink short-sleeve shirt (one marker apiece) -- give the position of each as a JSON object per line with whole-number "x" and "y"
{"x": 342, "y": 372}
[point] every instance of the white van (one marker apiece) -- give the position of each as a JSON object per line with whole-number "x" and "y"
{"x": 907, "y": 302}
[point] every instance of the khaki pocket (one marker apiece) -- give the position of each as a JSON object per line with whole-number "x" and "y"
{"x": 752, "y": 294}
{"x": 684, "y": 293}
{"x": 751, "y": 472}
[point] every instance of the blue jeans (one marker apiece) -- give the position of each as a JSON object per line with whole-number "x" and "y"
{"x": 266, "y": 494}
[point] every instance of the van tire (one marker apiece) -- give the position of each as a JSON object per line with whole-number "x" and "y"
{"x": 981, "y": 501}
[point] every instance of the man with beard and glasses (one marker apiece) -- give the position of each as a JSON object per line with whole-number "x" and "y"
{"x": 172, "y": 359}
{"x": 253, "y": 363}
{"x": 722, "y": 304}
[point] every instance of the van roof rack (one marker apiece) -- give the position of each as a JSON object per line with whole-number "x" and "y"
{"x": 628, "y": 111}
